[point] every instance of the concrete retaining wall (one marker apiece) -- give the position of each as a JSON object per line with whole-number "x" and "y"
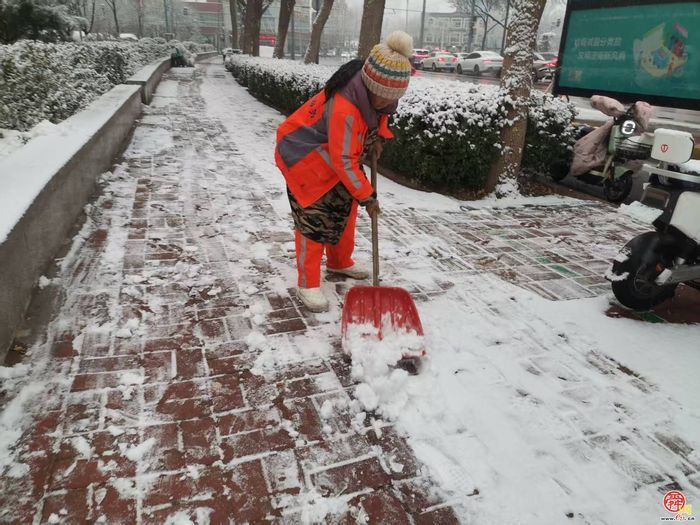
{"x": 148, "y": 78}
{"x": 45, "y": 185}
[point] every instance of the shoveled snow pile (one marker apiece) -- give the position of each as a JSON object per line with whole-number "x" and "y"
{"x": 374, "y": 359}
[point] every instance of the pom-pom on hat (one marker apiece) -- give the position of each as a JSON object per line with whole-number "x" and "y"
{"x": 387, "y": 70}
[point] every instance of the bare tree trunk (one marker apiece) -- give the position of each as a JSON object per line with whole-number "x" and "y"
{"x": 312, "y": 52}
{"x": 371, "y": 28}
{"x": 247, "y": 22}
{"x": 517, "y": 81}
{"x": 486, "y": 32}
{"x": 233, "y": 7}
{"x": 113, "y": 6}
{"x": 286, "y": 9}
{"x": 251, "y": 32}
{"x": 139, "y": 17}
{"x": 92, "y": 17}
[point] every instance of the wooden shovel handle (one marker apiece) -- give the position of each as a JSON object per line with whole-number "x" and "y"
{"x": 375, "y": 227}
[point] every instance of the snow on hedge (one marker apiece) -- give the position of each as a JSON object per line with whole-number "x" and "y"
{"x": 447, "y": 133}
{"x": 40, "y": 81}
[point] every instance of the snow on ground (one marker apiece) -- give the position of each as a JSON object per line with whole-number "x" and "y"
{"x": 525, "y": 411}
{"x": 640, "y": 212}
{"x": 11, "y": 140}
{"x": 517, "y": 389}
{"x": 692, "y": 166}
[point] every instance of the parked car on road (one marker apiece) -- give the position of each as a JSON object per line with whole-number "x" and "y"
{"x": 547, "y": 70}
{"x": 538, "y": 62}
{"x": 480, "y": 62}
{"x": 549, "y": 56}
{"x": 437, "y": 61}
{"x": 418, "y": 55}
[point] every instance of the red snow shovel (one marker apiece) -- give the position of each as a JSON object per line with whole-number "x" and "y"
{"x": 382, "y": 306}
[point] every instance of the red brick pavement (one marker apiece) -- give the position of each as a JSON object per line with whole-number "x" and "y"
{"x": 174, "y": 378}
{"x": 151, "y": 409}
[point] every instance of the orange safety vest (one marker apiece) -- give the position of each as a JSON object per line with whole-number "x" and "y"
{"x": 321, "y": 143}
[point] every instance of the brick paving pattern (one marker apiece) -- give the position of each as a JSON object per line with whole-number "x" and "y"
{"x": 162, "y": 403}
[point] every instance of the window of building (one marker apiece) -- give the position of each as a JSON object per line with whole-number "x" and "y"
{"x": 456, "y": 23}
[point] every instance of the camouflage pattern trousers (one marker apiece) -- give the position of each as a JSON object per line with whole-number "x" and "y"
{"x": 323, "y": 221}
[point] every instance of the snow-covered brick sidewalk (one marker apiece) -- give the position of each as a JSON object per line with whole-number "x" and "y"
{"x": 181, "y": 382}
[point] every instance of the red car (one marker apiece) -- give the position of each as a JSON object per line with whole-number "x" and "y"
{"x": 418, "y": 55}
{"x": 547, "y": 70}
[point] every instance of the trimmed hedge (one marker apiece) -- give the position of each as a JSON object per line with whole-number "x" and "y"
{"x": 40, "y": 81}
{"x": 447, "y": 133}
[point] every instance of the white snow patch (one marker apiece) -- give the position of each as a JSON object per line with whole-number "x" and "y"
{"x": 126, "y": 487}
{"x": 327, "y": 409}
{"x": 692, "y": 166}
{"x": 640, "y": 212}
{"x": 136, "y": 453}
{"x": 366, "y": 396}
{"x": 12, "y": 421}
{"x": 131, "y": 378}
{"x": 201, "y": 517}
{"x": 313, "y": 507}
{"x": 115, "y": 431}
{"x": 11, "y": 372}
{"x": 83, "y": 448}
{"x": 611, "y": 276}
{"x": 256, "y": 341}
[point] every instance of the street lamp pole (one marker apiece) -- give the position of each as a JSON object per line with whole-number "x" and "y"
{"x": 422, "y": 25}
{"x": 317, "y": 8}
{"x": 165, "y": 10}
{"x": 294, "y": 45}
{"x": 505, "y": 27}
{"x": 406, "y": 17}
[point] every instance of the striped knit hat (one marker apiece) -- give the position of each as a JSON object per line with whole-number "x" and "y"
{"x": 387, "y": 69}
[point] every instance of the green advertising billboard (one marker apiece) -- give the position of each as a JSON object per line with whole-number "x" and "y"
{"x": 632, "y": 51}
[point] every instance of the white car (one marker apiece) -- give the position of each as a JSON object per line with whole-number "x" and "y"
{"x": 480, "y": 62}
{"x": 437, "y": 61}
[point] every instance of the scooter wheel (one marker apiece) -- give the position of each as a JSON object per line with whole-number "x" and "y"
{"x": 558, "y": 170}
{"x": 617, "y": 190}
{"x": 638, "y": 290}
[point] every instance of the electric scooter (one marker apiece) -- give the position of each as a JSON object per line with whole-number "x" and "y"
{"x": 651, "y": 266}
{"x": 611, "y": 154}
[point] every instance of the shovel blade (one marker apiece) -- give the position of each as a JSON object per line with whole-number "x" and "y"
{"x": 381, "y": 307}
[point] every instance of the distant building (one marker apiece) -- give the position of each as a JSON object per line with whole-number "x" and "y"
{"x": 446, "y": 30}
{"x": 208, "y": 18}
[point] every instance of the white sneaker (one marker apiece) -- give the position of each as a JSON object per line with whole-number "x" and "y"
{"x": 355, "y": 271}
{"x": 313, "y": 299}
